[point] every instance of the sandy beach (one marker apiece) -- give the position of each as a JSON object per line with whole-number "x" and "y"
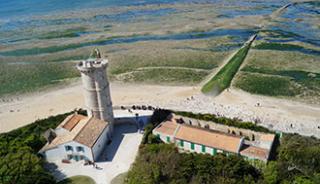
{"x": 277, "y": 114}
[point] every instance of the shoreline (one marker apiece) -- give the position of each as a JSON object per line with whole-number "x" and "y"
{"x": 276, "y": 114}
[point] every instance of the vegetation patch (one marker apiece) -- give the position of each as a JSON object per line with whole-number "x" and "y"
{"x": 120, "y": 179}
{"x": 166, "y": 75}
{"x": 278, "y": 83}
{"x": 223, "y": 78}
{"x": 27, "y": 77}
{"x": 298, "y": 161}
{"x": 267, "y": 84}
{"x": 77, "y": 180}
{"x": 296, "y": 75}
{"x": 162, "y": 163}
{"x": 167, "y": 58}
{"x": 282, "y": 60}
{"x": 68, "y": 33}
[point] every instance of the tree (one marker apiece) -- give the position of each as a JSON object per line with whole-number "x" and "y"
{"x": 270, "y": 173}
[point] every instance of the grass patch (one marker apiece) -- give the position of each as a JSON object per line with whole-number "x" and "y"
{"x": 29, "y": 77}
{"x": 309, "y": 80}
{"x": 166, "y": 75}
{"x": 267, "y": 85}
{"x": 68, "y": 33}
{"x": 120, "y": 179}
{"x": 77, "y": 180}
{"x": 223, "y": 78}
{"x": 283, "y": 60}
{"x": 167, "y": 58}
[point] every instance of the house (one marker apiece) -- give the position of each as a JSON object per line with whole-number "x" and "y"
{"x": 78, "y": 137}
{"x": 203, "y": 140}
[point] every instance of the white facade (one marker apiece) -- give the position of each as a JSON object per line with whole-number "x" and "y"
{"x": 60, "y": 152}
{"x": 101, "y": 143}
{"x": 77, "y": 151}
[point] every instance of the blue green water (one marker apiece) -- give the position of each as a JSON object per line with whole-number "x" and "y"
{"x": 18, "y": 24}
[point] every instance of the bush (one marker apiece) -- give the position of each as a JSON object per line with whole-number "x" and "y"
{"x": 162, "y": 163}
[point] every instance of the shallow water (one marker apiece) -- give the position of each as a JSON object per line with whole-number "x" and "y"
{"x": 298, "y": 23}
{"x": 237, "y": 35}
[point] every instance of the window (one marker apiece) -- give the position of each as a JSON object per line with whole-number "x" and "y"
{"x": 168, "y": 139}
{"x": 181, "y": 143}
{"x": 192, "y": 146}
{"x": 68, "y": 148}
{"x": 214, "y": 151}
{"x": 70, "y": 157}
{"x": 80, "y": 148}
{"x": 203, "y": 148}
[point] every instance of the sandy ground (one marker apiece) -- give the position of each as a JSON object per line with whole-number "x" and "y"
{"x": 24, "y": 110}
{"x": 277, "y": 114}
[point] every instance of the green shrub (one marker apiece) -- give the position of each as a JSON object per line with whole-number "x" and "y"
{"x": 162, "y": 163}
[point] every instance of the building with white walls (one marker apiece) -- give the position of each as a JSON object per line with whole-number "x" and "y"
{"x": 81, "y": 137}
{"x": 209, "y": 141}
{"x": 77, "y": 138}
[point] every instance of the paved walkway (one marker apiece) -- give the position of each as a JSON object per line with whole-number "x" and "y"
{"x": 116, "y": 159}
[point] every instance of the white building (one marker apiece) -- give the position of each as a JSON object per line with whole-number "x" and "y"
{"x": 77, "y": 138}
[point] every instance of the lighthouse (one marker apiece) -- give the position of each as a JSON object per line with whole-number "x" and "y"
{"x": 96, "y": 87}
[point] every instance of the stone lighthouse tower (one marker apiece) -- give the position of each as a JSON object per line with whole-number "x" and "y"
{"x": 96, "y": 87}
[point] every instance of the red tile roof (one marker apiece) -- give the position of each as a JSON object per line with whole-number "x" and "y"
{"x": 214, "y": 139}
{"x": 72, "y": 121}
